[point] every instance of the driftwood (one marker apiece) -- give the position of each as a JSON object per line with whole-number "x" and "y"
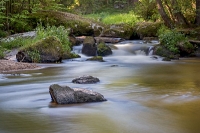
{"x": 103, "y": 39}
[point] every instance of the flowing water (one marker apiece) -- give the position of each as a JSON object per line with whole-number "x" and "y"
{"x": 145, "y": 95}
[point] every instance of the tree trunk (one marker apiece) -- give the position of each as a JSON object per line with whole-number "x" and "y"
{"x": 7, "y": 15}
{"x": 165, "y": 17}
{"x": 169, "y": 9}
{"x": 180, "y": 19}
{"x": 198, "y": 12}
{"x": 29, "y": 6}
{"x": 132, "y": 2}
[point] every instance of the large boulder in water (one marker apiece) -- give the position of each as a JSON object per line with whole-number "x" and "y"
{"x": 89, "y": 46}
{"x": 48, "y": 50}
{"x": 67, "y": 95}
{"x": 85, "y": 80}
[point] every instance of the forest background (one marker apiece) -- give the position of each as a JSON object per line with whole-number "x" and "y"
{"x": 15, "y": 14}
{"x": 18, "y": 16}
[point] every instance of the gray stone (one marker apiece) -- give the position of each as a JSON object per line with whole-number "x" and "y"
{"x": 85, "y": 80}
{"x": 67, "y": 95}
{"x": 89, "y": 46}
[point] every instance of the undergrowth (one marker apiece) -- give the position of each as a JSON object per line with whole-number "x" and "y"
{"x": 172, "y": 39}
{"x": 41, "y": 32}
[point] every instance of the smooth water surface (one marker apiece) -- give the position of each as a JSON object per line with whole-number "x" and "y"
{"x": 145, "y": 95}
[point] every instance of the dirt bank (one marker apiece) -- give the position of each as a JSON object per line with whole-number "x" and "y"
{"x": 9, "y": 65}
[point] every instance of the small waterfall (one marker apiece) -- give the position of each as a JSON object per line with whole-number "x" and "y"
{"x": 77, "y": 49}
{"x": 150, "y": 50}
{"x": 137, "y": 47}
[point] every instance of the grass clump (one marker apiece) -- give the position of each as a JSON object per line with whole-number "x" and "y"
{"x": 60, "y": 32}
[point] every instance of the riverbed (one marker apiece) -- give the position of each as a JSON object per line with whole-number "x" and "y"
{"x": 144, "y": 95}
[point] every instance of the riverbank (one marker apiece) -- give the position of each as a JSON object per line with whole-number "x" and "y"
{"x": 9, "y": 65}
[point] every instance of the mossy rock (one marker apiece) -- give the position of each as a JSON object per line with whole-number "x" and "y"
{"x": 74, "y": 41}
{"x": 164, "y": 52}
{"x": 147, "y": 29}
{"x": 121, "y": 31}
{"x": 96, "y": 58}
{"x": 47, "y": 50}
{"x": 89, "y": 46}
{"x": 76, "y": 24}
{"x": 103, "y": 49}
{"x": 69, "y": 55}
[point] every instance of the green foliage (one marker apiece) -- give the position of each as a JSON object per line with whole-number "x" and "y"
{"x": 49, "y": 46}
{"x": 60, "y": 32}
{"x": 147, "y": 29}
{"x": 103, "y": 49}
{"x": 173, "y": 40}
{"x": 11, "y": 43}
{"x": 126, "y": 18}
{"x": 119, "y": 18}
{"x": 96, "y": 58}
{"x": 146, "y": 9}
{"x": 1, "y": 52}
{"x": 34, "y": 55}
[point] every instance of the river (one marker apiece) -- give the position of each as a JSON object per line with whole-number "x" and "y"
{"x": 145, "y": 95}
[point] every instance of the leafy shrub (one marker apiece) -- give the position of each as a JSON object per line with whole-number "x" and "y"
{"x": 174, "y": 41}
{"x": 146, "y": 9}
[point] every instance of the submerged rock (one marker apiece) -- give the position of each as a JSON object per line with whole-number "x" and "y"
{"x": 67, "y": 95}
{"x": 86, "y": 80}
{"x": 96, "y": 58}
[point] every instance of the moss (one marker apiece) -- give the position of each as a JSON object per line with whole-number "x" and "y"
{"x": 147, "y": 29}
{"x": 69, "y": 55}
{"x": 103, "y": 49}
{"x": 119, "y": 30}
{"x": 47, "y": 46}
{"x": 96, "y": 58}
{"x": 89, "y": 40}
{"x": 77, "y": 25}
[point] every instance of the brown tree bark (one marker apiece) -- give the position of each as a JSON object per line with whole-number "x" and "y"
{"x": 179, "y": 18}
{"x": 198, "y": 12}
{"x": 169, "y": 9}
{"x": 167, "y": 20}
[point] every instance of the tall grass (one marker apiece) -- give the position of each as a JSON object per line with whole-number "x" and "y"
{"x": 116, "y": 18}
{"x": 60, "y": 32}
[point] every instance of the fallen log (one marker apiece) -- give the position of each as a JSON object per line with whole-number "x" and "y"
{"x": 102, "y": 39}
